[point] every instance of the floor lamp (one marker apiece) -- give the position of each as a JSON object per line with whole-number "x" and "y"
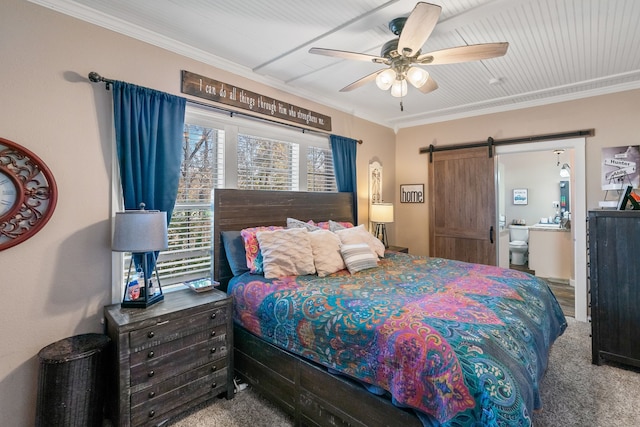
{"x": 142, "y": 233}
{"x": 382, "y": 214}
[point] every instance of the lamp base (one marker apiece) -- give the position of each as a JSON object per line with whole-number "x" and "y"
{"x": 142, "y": 302}
{"x": 381, "y": 233}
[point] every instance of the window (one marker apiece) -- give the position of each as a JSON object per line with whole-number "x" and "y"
{"x": 267, "y": 164}
{"x": 221, "y": 151}
{"x": 189, "y": 254}
{"x": 320, "y": 175}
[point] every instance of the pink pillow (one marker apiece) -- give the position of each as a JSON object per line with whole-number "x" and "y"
{"x": 252, "y": 247}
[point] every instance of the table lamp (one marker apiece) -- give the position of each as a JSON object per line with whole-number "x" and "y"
{"x": 382, "y": 214}
{"x": 143, "y": 233}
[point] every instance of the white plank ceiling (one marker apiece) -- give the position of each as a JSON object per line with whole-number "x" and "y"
{"x": 558, "y": 49}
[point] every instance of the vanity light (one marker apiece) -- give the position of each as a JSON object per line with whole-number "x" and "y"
{"x": 565, "y": 171}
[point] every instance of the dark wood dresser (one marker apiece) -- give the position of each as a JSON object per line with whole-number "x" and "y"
{"x": 614, "y": 279}
{"x": 168, "y": 357}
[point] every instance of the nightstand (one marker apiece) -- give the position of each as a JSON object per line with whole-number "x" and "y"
{"x": 398, "y": 249}
{"x": 169, "y": 357}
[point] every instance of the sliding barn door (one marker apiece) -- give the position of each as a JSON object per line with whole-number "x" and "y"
{"x": 463, "y": 203}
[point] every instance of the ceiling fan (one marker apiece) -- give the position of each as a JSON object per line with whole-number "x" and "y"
{"x": 403, "y": 56}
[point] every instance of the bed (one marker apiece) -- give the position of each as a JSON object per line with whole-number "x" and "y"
{"x": 414, "y": 341}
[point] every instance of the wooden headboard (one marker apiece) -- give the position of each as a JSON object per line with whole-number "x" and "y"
{"x": 235, "y": 209}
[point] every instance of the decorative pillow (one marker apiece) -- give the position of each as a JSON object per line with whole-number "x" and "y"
{"x": 358, "y": 257}
{"x": 358, "y": 234}
{"x": 325, "y": 246}
{"x": 296, "y": 223}
{"x": 286, "y": 252}
{"x": 326, "y": 225}
{"x": 335, "y": 226}
{"x": 236, "y": 255}
{"x": 252, "y": 247}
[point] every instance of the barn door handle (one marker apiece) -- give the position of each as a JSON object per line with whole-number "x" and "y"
{"x": 491, "y": 234}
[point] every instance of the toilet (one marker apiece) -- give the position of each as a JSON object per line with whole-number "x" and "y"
{"x": 518, "y": 244}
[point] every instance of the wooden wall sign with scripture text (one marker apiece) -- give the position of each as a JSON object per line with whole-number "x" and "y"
{"x": 213, "y": 90}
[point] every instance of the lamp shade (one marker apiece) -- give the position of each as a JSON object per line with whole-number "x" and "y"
{"x": 399, "y": 88}
{"x": 564, "y": 171}
{"x": 140, "y": 231}
{"x": 417, "y": 76}
{"x": 385, "y": 79}
{"x": 382, "y": 212}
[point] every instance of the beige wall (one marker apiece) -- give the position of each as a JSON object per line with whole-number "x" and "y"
{"x": 614, "y": 118}
{"x": 55, "y": 284}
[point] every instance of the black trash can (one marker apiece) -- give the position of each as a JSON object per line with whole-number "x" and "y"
{"x": 71, "y": 381}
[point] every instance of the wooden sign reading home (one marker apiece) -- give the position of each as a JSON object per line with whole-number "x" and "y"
{"x": 204, "y": 87}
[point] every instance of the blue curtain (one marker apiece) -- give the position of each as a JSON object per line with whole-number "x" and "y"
{"x": 149, "y": 129}
{"x": 344, "y": 166}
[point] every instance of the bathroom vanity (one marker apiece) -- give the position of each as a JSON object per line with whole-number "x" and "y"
{"x": 551, "y": 251}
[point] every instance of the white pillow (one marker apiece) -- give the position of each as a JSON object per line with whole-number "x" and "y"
{"x": 286, "y": 252}
{"x": 359, "y": 234}
{"x": 358, "y": 257}
{"x": 296, "y": 223}
{"x": 325, "y": 246}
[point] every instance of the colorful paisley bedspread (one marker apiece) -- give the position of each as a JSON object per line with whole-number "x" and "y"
{"x": 463, "y": 344}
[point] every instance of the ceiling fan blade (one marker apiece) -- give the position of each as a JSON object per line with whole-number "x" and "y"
{"x": 361, "y": 82}
{"x": 459, "y": 54}
{"x": 418, "y": 28}
{"x": 429, "y": 86}
{"x": 347, "y": 55}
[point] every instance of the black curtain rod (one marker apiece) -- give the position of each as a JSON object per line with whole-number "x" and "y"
{"x": 490, "y": 142}
{"x": 97, "y": 78}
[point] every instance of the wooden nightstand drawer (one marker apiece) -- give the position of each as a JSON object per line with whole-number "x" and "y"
{"x": 144, "y": 354}
{"x": 171, "y": 328}
{"x": 157, "y": 369}
{"x": 217, "y": 369}
{"x": 153, "y": 408}
{"x": 169, "y": 357}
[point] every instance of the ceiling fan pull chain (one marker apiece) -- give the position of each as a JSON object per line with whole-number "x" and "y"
{"x": 401, "y": 106}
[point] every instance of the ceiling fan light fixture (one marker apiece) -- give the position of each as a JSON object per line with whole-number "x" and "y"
{"x": 417, "y": 76}
{"x": 399, "y": 88}
{"x": 385, "y": 79}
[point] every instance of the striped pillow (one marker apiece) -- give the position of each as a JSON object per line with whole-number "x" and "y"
{"x": 358, "y": 257}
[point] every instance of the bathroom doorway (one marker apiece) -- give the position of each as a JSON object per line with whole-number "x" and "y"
{"x": 540, "y": 207}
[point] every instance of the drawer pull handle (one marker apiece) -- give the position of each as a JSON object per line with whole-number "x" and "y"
{"x": 151, "y": 373}
{"x": 151, "y": 334}
{"x": 213, "y": 315}
{"x": 214, "y": 368}
{"x": 162, "y": 323}
{"x": 151, "y": 354}
{"x": 213, "y": 350}
{"x": 152, "y": 413}
{"x": 214, "y": 385}
{"x": 213, "y": 333}
{"x": 152, "y": 394}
